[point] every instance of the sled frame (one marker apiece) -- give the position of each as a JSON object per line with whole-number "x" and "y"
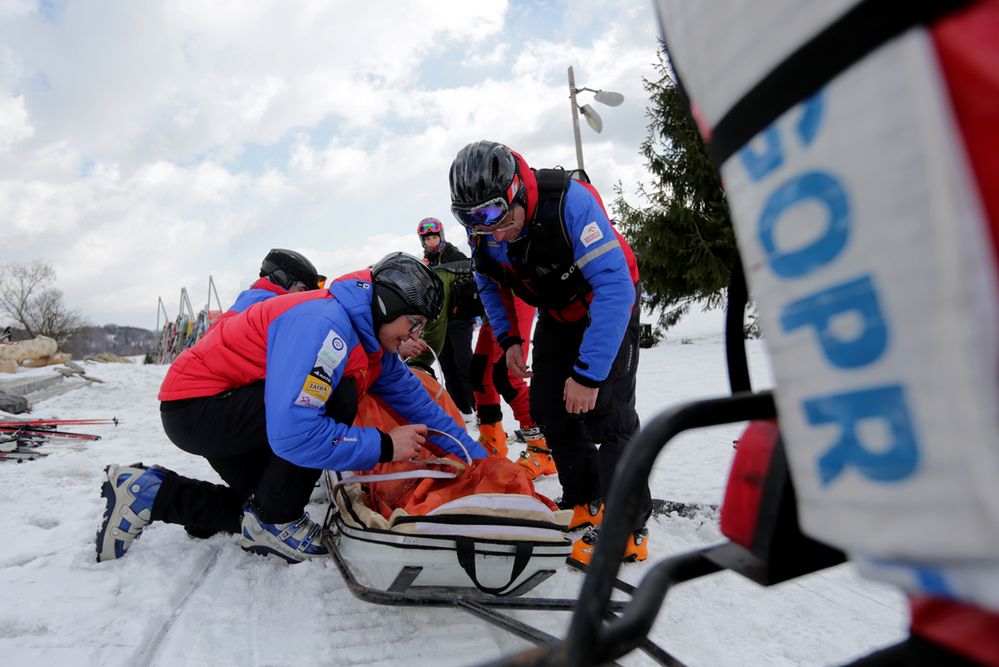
{"x": 592, "y": 641}
{"x": 492, "y": 609}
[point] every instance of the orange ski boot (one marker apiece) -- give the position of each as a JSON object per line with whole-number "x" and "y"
{"x": 587, "y": 515}
{"x": 493, "y": 438}
{"x": 636, "y": 550}
{"x": 536, "y": 458}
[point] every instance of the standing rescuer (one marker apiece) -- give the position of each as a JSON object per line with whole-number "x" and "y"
{"x": 548, "y": 238}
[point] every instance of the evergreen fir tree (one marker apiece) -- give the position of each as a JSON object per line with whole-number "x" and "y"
{"x": 683, "y": 238}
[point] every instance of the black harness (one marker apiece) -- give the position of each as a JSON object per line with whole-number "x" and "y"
{"x": 543, "y": 273}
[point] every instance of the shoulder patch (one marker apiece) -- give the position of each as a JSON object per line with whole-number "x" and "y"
{"x": 321, "y": 375}
{"x": 332, "y": 352}
{"x": 314, "y": 392}
{"x": 363, "y": 285}
{"x": 591, "y": 234}
{"x": 318, "y": 383}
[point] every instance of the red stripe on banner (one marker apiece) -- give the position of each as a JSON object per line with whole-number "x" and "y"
{"x": 967, "y": 46}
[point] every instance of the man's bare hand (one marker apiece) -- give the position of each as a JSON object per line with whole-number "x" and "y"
{"x": 515, "y": 362}
{"x": 407, "y": 442}
{"x": 579, "y": 399}
{"x": 411, "y": 348}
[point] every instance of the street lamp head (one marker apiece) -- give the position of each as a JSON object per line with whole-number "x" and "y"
{"x": 592, "y": 118}
{"x": 609, "y": 97}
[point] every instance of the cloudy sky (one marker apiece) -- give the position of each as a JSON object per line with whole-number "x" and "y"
{"x": 147, "y": 145}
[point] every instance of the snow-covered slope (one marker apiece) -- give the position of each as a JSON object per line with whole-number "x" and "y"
{"x": 173, "y": 600}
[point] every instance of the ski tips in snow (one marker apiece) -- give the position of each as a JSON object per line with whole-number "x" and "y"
{"x": 20, "y": 437}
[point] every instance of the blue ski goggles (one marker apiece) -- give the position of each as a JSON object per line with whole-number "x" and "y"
{"x": 479, "y": 217}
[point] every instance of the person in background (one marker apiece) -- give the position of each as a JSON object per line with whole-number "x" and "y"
{"x": 547, "y": 237}
{"x": 281, "y": 272}
{"x": 456, "y": 352}
{"x": 460, "y": 295}
{"x": 319, "y": 351}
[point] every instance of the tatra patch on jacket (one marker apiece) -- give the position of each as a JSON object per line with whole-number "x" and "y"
{"x": 570, "y": 262}
{"x": 303, "y": 345}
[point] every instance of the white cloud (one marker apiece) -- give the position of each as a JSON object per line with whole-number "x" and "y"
{"x": 16, "y": 7}
{"x": 149, "y": 145}
{"x": 14, "y": 124}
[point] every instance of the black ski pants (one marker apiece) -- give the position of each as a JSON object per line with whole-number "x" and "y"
{"x": 584, "y": 470}
{"x": 229, "y": 430}
{"x": 456, "y": 359}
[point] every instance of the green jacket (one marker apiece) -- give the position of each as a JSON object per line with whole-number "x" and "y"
{"x": 436, "y": 330}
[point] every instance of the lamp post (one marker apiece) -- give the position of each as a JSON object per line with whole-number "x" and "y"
{"x": 607, "y": 97}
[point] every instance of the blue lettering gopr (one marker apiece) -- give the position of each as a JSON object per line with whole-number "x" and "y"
{"x": 890, "y": 463}
{"x": 857, "y": 298}
{"x": 812, "y": 186}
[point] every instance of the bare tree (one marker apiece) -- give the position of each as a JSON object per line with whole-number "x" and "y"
{"x": 26, "y": 298}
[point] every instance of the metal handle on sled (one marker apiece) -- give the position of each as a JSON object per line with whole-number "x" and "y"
{"x": 466, "y": 558}
{"x": 468, "y": 457}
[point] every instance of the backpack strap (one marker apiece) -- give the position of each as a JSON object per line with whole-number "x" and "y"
{"x": 551, "y": 181}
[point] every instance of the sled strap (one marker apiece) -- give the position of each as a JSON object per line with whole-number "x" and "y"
{"x": 389, "y": 476}
{"x": 466, "y": 558}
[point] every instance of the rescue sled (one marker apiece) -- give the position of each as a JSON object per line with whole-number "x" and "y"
{"x": 464, "y": 557}
{"x": 483, "y": 544}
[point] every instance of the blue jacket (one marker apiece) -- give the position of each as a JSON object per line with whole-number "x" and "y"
{"x": 303, "y": 345}
{"x": 328, "y": 338}
{"x": 605, "y": 261}
{"x": 261, "y": 290}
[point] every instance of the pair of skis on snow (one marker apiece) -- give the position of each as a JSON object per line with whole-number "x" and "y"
{"x": 27, "y": 434}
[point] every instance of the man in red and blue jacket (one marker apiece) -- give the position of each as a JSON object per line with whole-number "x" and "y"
{"x": 547, "y": 237}
{"x": 268, "y": 398}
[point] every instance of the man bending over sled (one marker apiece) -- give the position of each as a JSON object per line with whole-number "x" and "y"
{"x": 320, "y": 351}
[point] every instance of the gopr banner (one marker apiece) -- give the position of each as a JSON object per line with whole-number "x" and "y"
{"x": 865, "y": 214}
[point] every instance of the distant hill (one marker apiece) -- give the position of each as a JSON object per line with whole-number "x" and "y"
{"x": 123, "y": 341}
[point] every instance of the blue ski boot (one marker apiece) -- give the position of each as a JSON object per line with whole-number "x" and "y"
{"x": 293, "y": 541}
{"x": 130, "y": 492}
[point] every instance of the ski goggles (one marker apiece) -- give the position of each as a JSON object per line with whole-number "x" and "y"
{"x": 429, "y": 226}
{"x": 480, "y": 217}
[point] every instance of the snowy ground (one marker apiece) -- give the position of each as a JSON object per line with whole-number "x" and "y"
{"x": 174, "y": 600}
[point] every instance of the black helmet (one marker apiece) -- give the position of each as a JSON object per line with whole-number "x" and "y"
{"x": 403, "y": 285}
{"x": 284, "y": 268}
{"x": 481, "y": 171}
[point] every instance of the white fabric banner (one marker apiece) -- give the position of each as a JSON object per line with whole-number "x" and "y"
{"x": 867, "y": 253}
